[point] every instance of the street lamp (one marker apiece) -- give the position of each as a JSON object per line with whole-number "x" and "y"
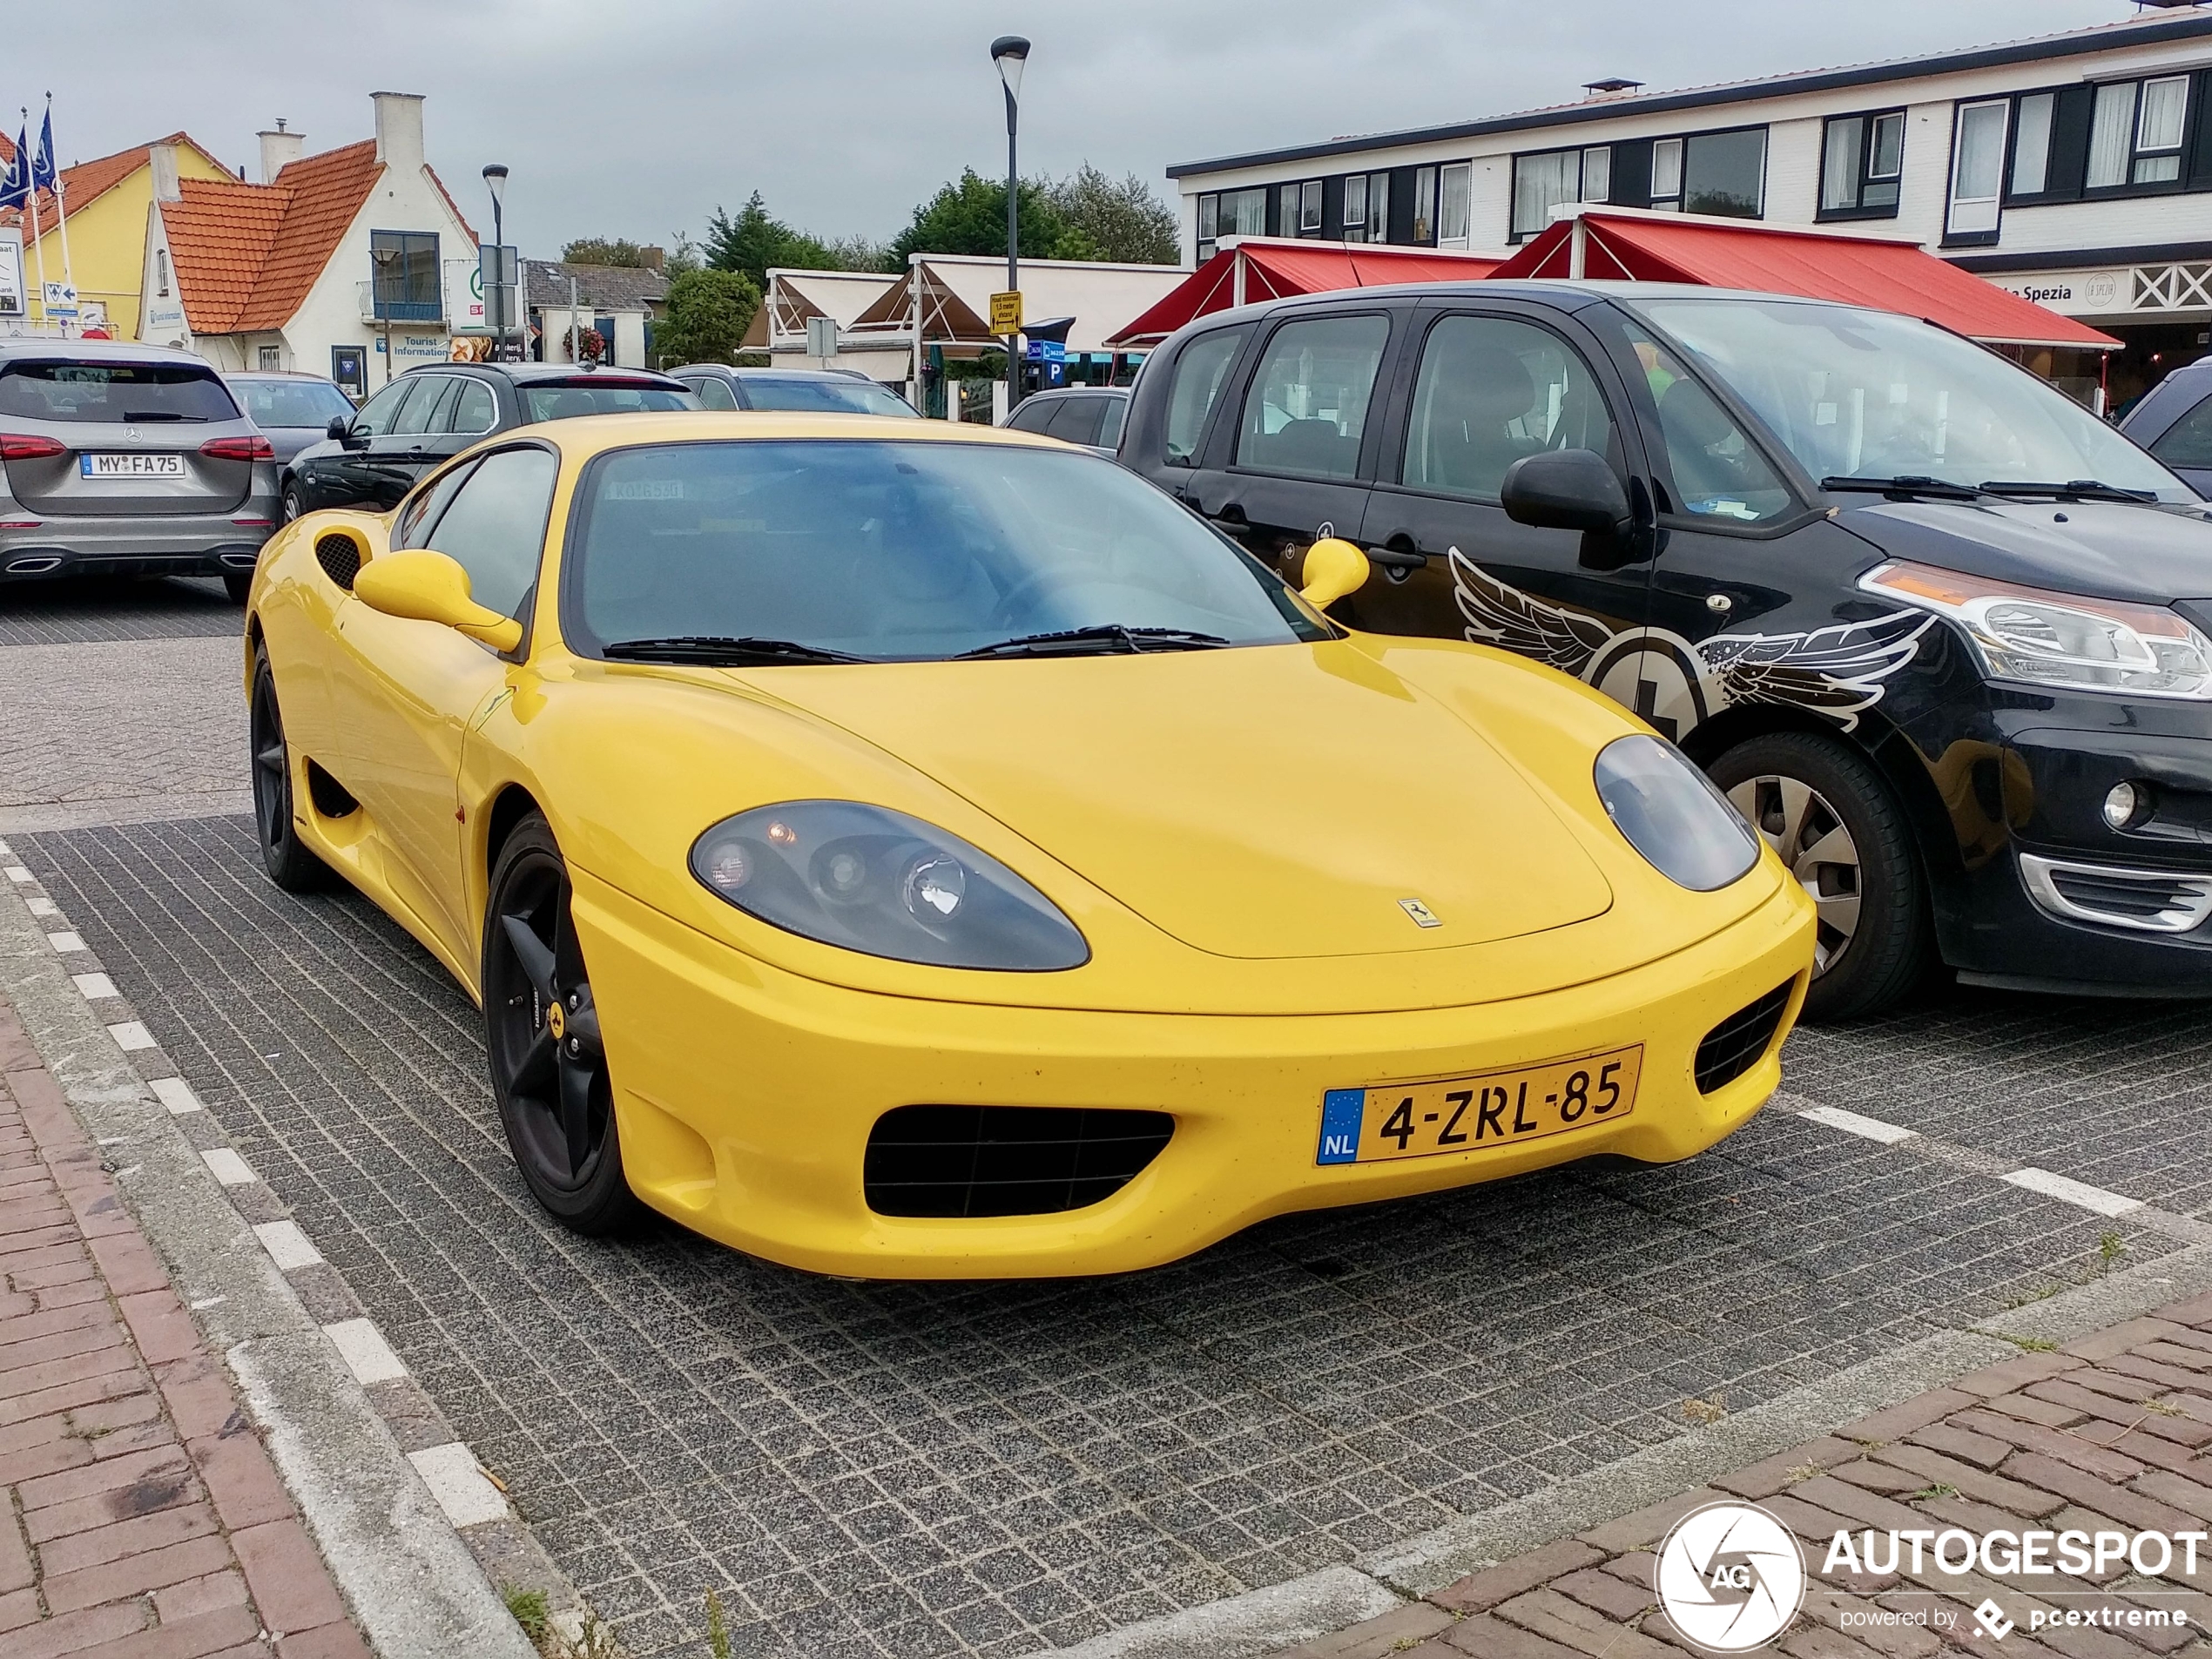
{"x": 495, "y": 180}
{"x": 1010, "y": 53}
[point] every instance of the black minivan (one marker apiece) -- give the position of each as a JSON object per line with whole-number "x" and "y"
{"x": 1944, "y": 637}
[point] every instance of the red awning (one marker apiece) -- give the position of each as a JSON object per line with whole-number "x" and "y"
{"x": 1857, "y": 270}
{"x": 1275, "y": 268}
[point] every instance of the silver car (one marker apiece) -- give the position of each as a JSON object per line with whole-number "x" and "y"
{"x": 126, "y": 460}
{"x": 292, "y": 409}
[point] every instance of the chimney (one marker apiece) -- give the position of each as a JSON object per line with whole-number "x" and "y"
{"x": 280, "y": 149}
{"x": 656, "y": 258}
{"x": 1611, "y": 86}
{"x": 399, "y": 130}
{"x": 162, "y": 158}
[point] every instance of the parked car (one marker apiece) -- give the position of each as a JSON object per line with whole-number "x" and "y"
{"x": 832, "y": 391}
{"x": 292, "y": 410}
{"x": 1942, "y": 634}
{"x": 1090, "y": 416}
{"x": 127, "y": 460}
{"x": 428, "y": 414}
{"x": 2174, "y": 424}
{"x": 980, "y": 867}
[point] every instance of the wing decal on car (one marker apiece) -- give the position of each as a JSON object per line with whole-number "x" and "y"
{"x": 1840, "y": 671}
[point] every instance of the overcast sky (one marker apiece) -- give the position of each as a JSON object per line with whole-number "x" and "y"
{"x": 636, "y": 120}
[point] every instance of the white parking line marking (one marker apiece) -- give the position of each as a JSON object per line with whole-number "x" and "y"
{"x": 2077, "y": 1193}
{"x": 288, "y": 1247}
{"x": 176, "y": 1094}
{"x": 18, "y": 874}
{"x": 65, "y": 943}
{"x": 132, "y": 1035}
{"x": 229, "y": 1169}
{"x": 97, "y": 988}
{"x": 459, "y": 1486}
{"x": 1873, "y": 1129}
{"x": 361, "y": 1345}
{"x": 43, "y": 907}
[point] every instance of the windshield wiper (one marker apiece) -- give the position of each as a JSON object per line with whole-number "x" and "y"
{"x": 1104, "y": 636}
{"x": 163, "y": 414}
{"x": 2078, "y": 489}
{"x": 1908, "y": 484}
{"x": 716, "y": 651}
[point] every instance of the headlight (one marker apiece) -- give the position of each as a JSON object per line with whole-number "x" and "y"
{"x": 1672, "y": 814}
{"x": 873, "y": 880}
{"x": 2060, "y": 639}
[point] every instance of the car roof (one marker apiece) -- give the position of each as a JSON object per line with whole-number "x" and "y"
{"x": 521, "y": 373}
{"x": 586, "y": 435}
{"x": 1565, "y": 294}
{"x": 44, "y": 348}
{"x": 279, "y": 375}
{"x": 1078, "y": 391}
{"x": 770, "y": 372}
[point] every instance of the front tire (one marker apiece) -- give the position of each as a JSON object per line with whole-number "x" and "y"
{"x": 1837, "y": 826}
{"x": 549, "y": 1067}
{"x": 286, "y": 858}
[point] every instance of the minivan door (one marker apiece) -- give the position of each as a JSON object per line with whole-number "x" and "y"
{"x": 1487, "y": 387}
{"x": 1294, "y": 465}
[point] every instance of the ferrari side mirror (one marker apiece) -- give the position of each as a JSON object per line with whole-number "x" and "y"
{"x": 428, "y": 586}
{"x": 1333, "y": 568}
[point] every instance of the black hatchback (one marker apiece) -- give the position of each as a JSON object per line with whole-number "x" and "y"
{"x": 1942, "y": 636}
{"x": 429, "y": 415}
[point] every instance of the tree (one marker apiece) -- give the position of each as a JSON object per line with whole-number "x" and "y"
{"x": 968, "y": 216}
{"x": 1125, "y": 222}
{"x": 755, "y": 241}
{"x": 708, "y": 313}
{"x": 597, "y": 250}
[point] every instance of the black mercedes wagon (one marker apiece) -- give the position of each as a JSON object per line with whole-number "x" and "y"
{"x": 1942, "y": 636}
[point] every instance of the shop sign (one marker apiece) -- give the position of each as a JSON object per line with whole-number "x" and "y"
{"x": 2072, "y": 293}
{"x": 11, "y": 284}
{"x": 430, "y": 349}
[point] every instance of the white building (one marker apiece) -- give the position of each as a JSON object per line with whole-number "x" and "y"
{"x": 2074, "y": 168}
{"x": 353, "y": 263}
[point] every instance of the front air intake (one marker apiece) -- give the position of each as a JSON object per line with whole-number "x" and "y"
{"x": 972, "y": 1161}
{"x": 340, "y": 559}
{"x": 2156, "y": 901}
{"x": 1734, "y": 1046}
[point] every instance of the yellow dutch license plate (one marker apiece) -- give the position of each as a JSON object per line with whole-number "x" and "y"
{"x": 1461, "y": 1114}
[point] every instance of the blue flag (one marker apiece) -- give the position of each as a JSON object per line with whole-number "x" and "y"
{"x": 15, "y": 183}
{"x": 42, "y": 164}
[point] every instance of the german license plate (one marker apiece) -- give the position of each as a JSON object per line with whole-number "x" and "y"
{"x": 131, "y": 466}
{"x": 1460, "y": 1114}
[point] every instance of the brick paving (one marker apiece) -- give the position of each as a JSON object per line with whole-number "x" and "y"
{"x": 142, "y": 1518}
{"x": 52, "y": 613}
{"x": 2110, "y": 1433}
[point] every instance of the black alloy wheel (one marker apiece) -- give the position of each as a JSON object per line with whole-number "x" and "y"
{"x": 1834, "y": 822}
{"x": 295, "y": 503}
{"x": 549, "y": 1066}
{"x": 289, "y": 863}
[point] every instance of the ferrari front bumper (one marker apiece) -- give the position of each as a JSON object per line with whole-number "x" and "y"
{"x": 745, "y": 1095}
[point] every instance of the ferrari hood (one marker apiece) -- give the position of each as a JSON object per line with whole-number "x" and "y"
{"x": 1274, "y": 801}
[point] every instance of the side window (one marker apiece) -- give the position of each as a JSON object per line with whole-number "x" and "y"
{"x": 1199, "y": 372}
{"x": 1110, "y": 430}
{"x": 714, "y": 393}
{"x": 496, "y": 525}
{"x": 473, "y": 409}
{"x": 1032, "y": 416}
{"x": 421, "y": 411}
{"x": 1077, "y": 419}
{"x": 2187, "y": 442}
{"x": 419, "y": 517}
{"x": 1491, "y": 390}
{"x": 375, "y": 417}
{"x": 1307, "y": 408}
{"x": 1718, "y": 471}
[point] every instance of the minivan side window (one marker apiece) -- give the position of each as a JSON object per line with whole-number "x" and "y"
{"x": 714, "y": 393}
{"x": 494, "y": 527}
{"x": 2187, "y": 442}
{"x": 1307, "y": 408}
{"x": 1490, "y": 391}
{"x": 1718, "y": 471}
{"x": 1034, "y": 416}
{"x": 1200, "y": 369}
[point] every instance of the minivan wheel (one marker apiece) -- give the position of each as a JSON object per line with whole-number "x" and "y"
{"x": 1835, "y": 823}
{"x": 290, "y": 865}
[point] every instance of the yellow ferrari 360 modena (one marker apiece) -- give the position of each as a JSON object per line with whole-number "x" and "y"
{"x": 910, "y": 850}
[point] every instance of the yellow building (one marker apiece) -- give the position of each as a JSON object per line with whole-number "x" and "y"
{"x": 108, "y": 202}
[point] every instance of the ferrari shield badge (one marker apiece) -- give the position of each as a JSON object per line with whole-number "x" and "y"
{"x": 1422, "y": 916}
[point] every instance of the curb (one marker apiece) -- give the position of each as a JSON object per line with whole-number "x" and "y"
{"x": 388, "y": 1525}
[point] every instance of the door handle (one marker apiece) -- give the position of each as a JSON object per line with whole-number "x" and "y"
{"x": 1398, "y": 559}
{"x": 1230, "y": 521}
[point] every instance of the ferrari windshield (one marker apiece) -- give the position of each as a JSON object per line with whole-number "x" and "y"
{"x": 1857, "y": 394}
{"x": 818, "y": 549}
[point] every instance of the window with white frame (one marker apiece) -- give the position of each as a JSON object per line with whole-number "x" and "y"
{"x": 271, "y": 357}
{"x": 1862, "y": 163}
{"x": 1666, "y": 174}
{"x": 1977, "y": 168}
{"x": 2135, "y": 134}
{"x": 1456, "y": 207}
{"x": 1377, "y": 207}
{"x": 1230, "y": 213}
{"x": 1355, "y": 208}
{"x": 1554, "y": 178}
{"x": 1309, "y": 208}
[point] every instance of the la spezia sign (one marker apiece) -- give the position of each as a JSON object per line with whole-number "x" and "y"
{"x": 2072, "y": 293}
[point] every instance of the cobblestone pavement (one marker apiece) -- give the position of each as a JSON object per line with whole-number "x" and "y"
{"x": 2112, "y": 1433}
{"x": 140, "y": 1514}
{"x": 48, "y": 613}
{"x": 993, "y": 1469}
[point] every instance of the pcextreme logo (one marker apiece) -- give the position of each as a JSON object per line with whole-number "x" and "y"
{"x": 1730, "y": 1577}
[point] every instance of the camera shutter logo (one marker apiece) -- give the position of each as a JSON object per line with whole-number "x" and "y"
{"x": 1730, "y": 1577}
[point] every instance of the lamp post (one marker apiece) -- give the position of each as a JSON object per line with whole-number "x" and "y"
{"x": 495, "y": 181}
{"x": 1010, "y": 53}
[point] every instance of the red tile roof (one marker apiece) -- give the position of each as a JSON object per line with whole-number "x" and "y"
{"x": 89, "y": 180}
{"x": 323, "y": 193}
{"x": 219, "y": 237}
